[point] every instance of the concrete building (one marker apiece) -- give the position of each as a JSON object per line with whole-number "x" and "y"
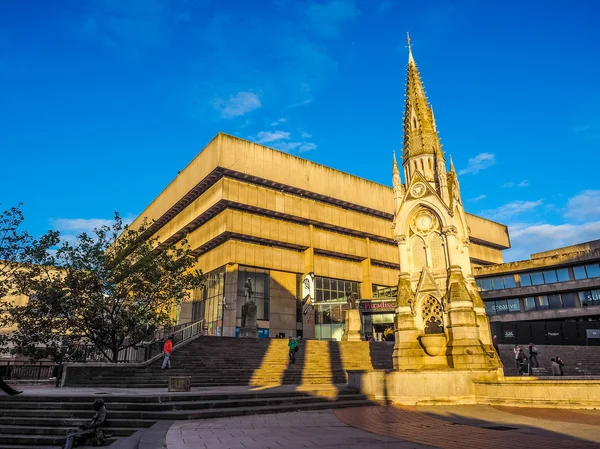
{"x": 251, "y": 212}
{"x": 552, "y": 298}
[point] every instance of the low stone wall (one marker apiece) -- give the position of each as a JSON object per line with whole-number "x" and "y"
{"x": 473, "y": 387}
{"x": 534, "y": 392}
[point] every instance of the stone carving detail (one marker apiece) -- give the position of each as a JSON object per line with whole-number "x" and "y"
{"x": 400, "y": 239}
{"x": 432, "y": 313}
{"x": 449, "y": 230}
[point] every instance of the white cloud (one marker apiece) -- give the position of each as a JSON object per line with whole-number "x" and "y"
{"x": 237, "y": 105}
{"x": 79, "y": 224}
{"x": 478, "y": 163}
{"x": 584, "y": 206}
{"x": 326, "y": 18}
{"x": 305, "y": 135}
{"x": 279, "y": 121}
{"x": 307, "y": 147}
{"x": 524, "y": 183}
{"x": 280, "y": 140}
{"x": 272, "y": 136}
{"x": 301, "y": 103}
{"x": 477, "y": 198}
{"x": 527, "y": 239}
{"x": 510, "y": 209}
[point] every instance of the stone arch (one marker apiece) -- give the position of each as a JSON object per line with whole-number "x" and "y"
{"x": 418, "y": 252}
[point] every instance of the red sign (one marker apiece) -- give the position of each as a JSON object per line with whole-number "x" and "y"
{"x": 372, "y": 305}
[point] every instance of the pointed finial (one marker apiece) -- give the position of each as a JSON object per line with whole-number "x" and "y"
{"x": 395, "y": 166}
{"x": 409, "y": 46}
{"x": 451, "y": 164}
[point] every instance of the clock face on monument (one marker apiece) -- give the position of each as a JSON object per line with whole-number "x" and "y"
{"x": 418, "y": 189}
{"x": 424, "y": 221}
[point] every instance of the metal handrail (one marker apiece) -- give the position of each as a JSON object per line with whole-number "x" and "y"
{"x": 142, "y": 352}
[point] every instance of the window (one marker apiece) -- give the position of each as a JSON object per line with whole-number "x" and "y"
{"x": 579, "y": 272}
{"x": 525, "y": 279}
{"x": 501, "y": 306}
{"x": 486, "y": 284}
{"x": 509, "y": 281}
{"x": 537, "y": 278}
{"x": 529, "y": 303}
{"x": 498, "y": 283}
{"x": 593, "y": 270}
{"x": 513, "y": 305}
{"x": 207, "y": 302}
{"x": 555, "y": 302}
{"x": 550, "y": 277}
{"x": 490, "y": 308}
{"x": 542, "y": 302}
{"x": 334, "y": 289}
{"x": 259, "y": 281}
{"x": 590, "y": 298}
{"x": 563, "y": 274}
{"x": 569, "y": 300}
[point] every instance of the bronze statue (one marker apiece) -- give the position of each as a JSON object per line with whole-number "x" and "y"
{"x": 248, "y": 290}
{"x": 351, "y": 299}
{"x": 91, "y": 430}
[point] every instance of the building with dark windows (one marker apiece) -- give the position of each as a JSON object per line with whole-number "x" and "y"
{"x": 552, "y": 298}
{"x": 303, "y": 235}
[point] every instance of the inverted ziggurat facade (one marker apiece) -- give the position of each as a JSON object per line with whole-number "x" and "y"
{"x": 307, "y": 236}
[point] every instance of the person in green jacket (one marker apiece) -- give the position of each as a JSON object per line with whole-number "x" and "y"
{"x": 293, "y": 345}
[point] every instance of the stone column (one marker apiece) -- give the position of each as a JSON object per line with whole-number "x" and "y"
{"x": 230, "y": 298}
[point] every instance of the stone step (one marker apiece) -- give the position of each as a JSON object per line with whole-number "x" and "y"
{"x": 38, "y": 441}
{"x": 57, "y": 430}
{"x": 66, "y": 422}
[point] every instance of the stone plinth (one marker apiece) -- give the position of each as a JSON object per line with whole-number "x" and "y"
{"x": 421, "y": 387}
{"x": 483, "y": 387}
{"x": 352, "y": 326}
{"x": 249, "y": 328}
{"x": 181, "y": 383}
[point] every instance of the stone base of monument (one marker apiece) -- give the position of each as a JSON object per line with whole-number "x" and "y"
{"x": 181, "y": 383}
{"x": 484, "y": 387}
{"x": 352, "y": 326}
{"x": 248, "y": 332}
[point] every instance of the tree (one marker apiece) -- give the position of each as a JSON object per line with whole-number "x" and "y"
{"x": 21, "y": 258}
{"x": 108, "y": 289}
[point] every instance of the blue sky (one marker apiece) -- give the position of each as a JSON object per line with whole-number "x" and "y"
{"x": 103, "y": 101}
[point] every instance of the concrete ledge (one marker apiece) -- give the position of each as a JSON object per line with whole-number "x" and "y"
{"x": 485, "y": 387}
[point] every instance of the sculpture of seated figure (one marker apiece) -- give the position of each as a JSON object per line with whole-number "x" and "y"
{"x": 91, "y": 430}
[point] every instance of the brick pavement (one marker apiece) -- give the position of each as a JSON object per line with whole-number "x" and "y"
{"x": 295, "y": 430}
{"x": 461, "y": 427}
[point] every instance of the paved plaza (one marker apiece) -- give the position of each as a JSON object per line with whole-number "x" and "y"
{"x": 454, "y": 427}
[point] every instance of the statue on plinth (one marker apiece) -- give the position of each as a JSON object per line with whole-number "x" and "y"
{"x": 248, "y": 292}
{"x": 351, "y": 299}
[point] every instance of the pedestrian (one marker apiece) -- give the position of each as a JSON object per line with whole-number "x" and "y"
{"x": 516, "y": 350}
{"x": 560, "y": 365}
{"x": 495, "y": 344}
{"x": 554, "y": 367}
{"x": 523, "y": 363}
{"x": 293, "y": 345}
{"x": 8, "y": 389}
{"x": 167, "y": 350}
{"x": 533, "y": 355}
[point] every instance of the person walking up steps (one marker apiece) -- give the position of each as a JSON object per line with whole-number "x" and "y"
{"x": 8, "y": 389}
{"x": 167, "y": 350}
{"x": 293, "y": 345}
{"x": 533, "y": 352}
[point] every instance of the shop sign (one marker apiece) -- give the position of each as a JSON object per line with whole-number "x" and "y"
{"x": 379, "y": 305}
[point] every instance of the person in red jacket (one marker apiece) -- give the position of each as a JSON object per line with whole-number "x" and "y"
{"x": 167, "y": 350}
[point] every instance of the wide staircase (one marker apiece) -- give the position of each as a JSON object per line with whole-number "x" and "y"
{"x": 217, "y": 361}
{"x": 579, "y": 361}
{"x": 43, "y": 421}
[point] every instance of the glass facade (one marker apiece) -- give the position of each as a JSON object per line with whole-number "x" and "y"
{"x": 588, "y": 271}
{"x": 543, "y": 302}
{"x": 207, "y": 302}
{"x": 330, "y": 304}
{"x": 259, "y": 279}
